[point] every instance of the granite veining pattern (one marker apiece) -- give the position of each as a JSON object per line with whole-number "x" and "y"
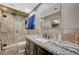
{"x": 54, "y": 47}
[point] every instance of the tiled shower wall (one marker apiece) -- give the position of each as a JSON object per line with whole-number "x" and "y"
{"x": 12, "y": 28}
{"x": 71, "y": 35}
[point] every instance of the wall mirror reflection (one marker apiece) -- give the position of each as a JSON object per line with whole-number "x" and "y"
{"x": 51, "y": 23}
{"x": 55, "y": 22}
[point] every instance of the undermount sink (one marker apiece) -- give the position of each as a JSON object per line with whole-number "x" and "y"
{"x": 55, "y": 41}
{"x": 42, "y": 40}
{"x": 45, "y": 40}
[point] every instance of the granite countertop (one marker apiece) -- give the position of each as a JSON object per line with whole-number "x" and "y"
{"x": 54, "y": 46}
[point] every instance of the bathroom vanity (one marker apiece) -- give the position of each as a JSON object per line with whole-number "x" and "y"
{"x": 33, "y": 48}
{"x": 37, "y": 45}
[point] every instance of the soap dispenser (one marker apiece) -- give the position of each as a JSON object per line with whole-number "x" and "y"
{"x": 59, "y": 37}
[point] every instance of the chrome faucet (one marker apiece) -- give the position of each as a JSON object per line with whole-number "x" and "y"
{"x": 45, "y": 36}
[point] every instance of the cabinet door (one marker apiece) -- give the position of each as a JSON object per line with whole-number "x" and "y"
{"x": 28, "y": 47}
{"x": 32, "y": 48}
{"x": 41, "y": 51}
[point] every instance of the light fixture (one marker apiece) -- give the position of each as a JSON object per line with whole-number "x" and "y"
{"x": 4, "y": 8}
{"x": 27, "y": 10}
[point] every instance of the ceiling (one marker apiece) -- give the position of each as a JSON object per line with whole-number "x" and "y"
{"x": 24, "y": 7}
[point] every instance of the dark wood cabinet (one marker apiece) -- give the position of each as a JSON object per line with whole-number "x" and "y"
{"x": 34, "y": 49}
{"x": 41, "y": 51}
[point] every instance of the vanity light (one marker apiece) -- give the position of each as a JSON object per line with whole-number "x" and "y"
{"x": 4, "y": 9}
{"x": 27, "y": 10}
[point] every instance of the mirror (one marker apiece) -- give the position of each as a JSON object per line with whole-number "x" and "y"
{"x": 51, "y": 21}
